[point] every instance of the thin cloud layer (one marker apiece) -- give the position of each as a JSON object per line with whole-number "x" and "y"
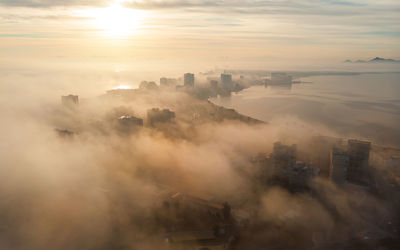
{"x": 52, "y": 3}
{"x": 331, "y": 31}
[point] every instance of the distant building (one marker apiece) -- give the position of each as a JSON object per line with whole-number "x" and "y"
{"x": 188, "y": 80}
{"x": 226, "y": 82}
{"x": 156, "y": 115}
{"x": 148, "y": 85}
{"x": 283, "y": 156}
{"x": 130, "y": 121}
{"x": 358, "y": 170}
{"x": 214, "y": 84}
{"x": 339, "y": 163}
{"x": 300, "y": 174}
{"x": 281, "y": 168}
{"x": 70, "y": 101}
{"x": 213, "y": 88}
{"x": 280, "y": 79}
{"x": 168, "y": 82}
{"x": 195, "y": 223}
{"x": 129, "y": 124}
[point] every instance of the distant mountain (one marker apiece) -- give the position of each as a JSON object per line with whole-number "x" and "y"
{"x": 380, "y": 59}
{"x": 375, "y": 60}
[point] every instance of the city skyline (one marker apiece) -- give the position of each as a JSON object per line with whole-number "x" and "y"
{"x": 188, "y": 124}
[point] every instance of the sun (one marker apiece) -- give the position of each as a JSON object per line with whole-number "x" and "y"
{"x": 116, "y": 20}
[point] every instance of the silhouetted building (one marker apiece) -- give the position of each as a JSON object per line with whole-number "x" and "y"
{"x": 281, "y": 168}
{"x": 300, "y": 174}
{"x": 129, "y": 124}
{"x": 188, "y": 80}
{"x": 213, "y": 88}
{"x": 339, "y": 163}
{"x": 283, "y": 156}
{"x": 148, "y": 85}
{"x": 156, "y": 115}
{"x": 192, "y": 222}
{"x": 358, "y": 170}
{"x": 226, "y": 82}
{"x": 70, "y": 100}
{"x": 168, "y": 82}
{"x": 280, "y": 79}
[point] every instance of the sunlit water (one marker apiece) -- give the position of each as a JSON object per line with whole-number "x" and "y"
{"x": 365, "y": 106}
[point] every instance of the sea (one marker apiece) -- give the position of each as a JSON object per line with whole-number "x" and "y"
{"x": 363, "y": 106}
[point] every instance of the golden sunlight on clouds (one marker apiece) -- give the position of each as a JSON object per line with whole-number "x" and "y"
{"x": 115, "y": 21}
{"x": 123, "y": 87}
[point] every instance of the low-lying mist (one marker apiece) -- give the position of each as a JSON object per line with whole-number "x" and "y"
{"x": 98, "y": 187}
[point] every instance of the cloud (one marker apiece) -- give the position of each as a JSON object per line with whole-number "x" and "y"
{"x": 52, "y": 3}
{"x": 303, "y": 29}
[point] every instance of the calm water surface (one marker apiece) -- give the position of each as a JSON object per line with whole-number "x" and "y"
{"x": 366, "y": 106}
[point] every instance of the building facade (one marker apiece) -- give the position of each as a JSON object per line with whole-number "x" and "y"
{"x": 339, "y": 163}
{"x": 188, "y": 80}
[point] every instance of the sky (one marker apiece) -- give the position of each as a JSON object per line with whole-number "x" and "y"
{"x": 218, "y": 33}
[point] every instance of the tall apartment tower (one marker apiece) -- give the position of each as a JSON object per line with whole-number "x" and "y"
{"x": 188, "y": 80}
{"x": 358, "y": 170}
{"x": 226, "y": 82}
{"x": 283, "y": 156}
{"x": 339, "y": 163}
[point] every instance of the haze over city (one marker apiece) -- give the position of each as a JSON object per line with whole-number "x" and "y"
{"x": 186, "y": 124}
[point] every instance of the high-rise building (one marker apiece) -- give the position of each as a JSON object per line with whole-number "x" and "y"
{"x": 358, "y": 170}
{"x": 163, "y": 81}
{"x": 70, "y": 100}
{"x": 226, "y": 82}
{"x": 283, "y": 156}
{"x": 188, "y": 80}
{"x": 339, "y": 163}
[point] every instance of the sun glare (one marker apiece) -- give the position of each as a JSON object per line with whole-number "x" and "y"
{"x": 123, "y": 87}
{"x": 116, "y": 20}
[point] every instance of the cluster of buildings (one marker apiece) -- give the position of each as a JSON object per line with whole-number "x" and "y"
{"x": 144, "y": 85}
{"x": 224, "y": 86}
{"x": 157, "y": 115}
{"x": 168, "y": 82}
{"x": 280, "y": 81}
{"x": 125, "y": 123}
{"x": 196, "y": 223}
{"x": 351, "y": 165}
{"x": 347, "y": 165}
{"x": 282, "y": 168}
